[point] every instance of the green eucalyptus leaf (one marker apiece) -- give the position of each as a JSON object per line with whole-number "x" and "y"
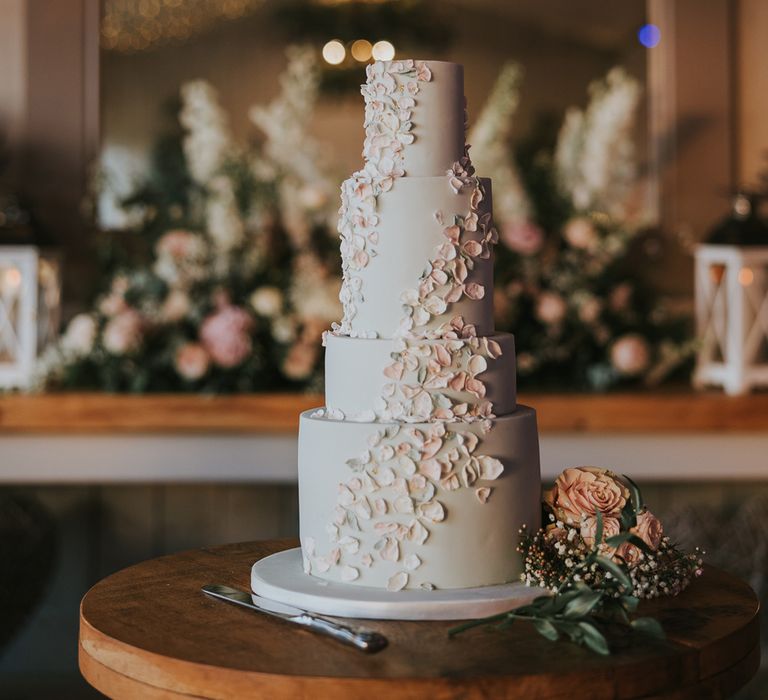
{"x": 630, "y": 602}
{"x": 616, "y": 570}
{"x": 593, "y": 639}
{"x": 640, "y": 544}
{"x": 628, "y": 517}
{"x": 546, "y": 629}
{"x": 598, "y": 529}
{"x": 582, "y": 605}
{"x": 634, "y": 492}
{"x": 649, "y": 626}
{"x": 561, "y": 600}
{"x": 617, "y": 540}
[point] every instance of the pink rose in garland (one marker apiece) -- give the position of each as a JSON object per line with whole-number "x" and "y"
{"x": 123, "y": 333}
{"x": 630, "y": 354}
{"x": 580, "y": 492}
{"x": 191, "y": 361}
{"x": 524, "y": 238}
{"x": 225, "y": 335}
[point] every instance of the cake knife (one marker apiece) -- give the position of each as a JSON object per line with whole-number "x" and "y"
{"x": 361, "y": 639}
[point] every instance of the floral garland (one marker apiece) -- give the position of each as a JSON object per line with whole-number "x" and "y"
{"x": 220, "y": 289}
{"x": 577, "y": 243}
{"x": 602, "y": 552}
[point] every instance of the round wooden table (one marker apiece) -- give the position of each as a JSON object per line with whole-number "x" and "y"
{"x": 148, "y": 632}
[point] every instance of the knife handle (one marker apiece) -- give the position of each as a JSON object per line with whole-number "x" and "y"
{"x": 370, "y": 642}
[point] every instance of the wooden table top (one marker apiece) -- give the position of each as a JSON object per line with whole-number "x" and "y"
{"x": 148, "y": 632}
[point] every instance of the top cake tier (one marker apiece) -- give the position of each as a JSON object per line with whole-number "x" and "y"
{"x": 430, "y": 111}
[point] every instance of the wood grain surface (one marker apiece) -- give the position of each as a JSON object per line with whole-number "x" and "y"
{"x": 279, "y": 413}
{"x": 148, "y": 631}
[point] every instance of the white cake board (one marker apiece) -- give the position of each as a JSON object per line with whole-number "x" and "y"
{"x": 280, "y": 577}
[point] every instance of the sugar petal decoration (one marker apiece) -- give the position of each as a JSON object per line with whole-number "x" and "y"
{"x": 412, "y": 562}
{"x": 483, "y": 494}
{"x": 490, "y": 467}
{"x": 390, "y": 551}
{"x": 389, "y": 95}
{"x": 417, "y": 533}
{"x": 349, "y": 573}
{"x": 349, "y": 544}
{"x": 433, "y": 511}
{"x": 398, "y": 581}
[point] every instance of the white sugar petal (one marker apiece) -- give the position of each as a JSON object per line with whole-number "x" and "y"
{"x": 412, "y": 562}
{"x": 398, "y": 581}
{"x": 349, "y": 573}
{"x": 490, "y": 467}
{"x": 483, "y": 494}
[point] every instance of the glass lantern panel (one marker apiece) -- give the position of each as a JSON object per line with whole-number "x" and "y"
{"x": 10, "y": 297}
{"x": 48, "y": 300}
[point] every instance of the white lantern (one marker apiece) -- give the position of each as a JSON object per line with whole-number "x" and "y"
{"x": 30, "y": 296}
{"x": 732, "y": 303}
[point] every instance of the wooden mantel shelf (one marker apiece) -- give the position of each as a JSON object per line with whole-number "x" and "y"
{"x": 278, "y": 413}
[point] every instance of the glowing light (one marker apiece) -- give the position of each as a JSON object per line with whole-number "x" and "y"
{"x": 716, "y": 273}
{"x": 361, "y": 50}
{"x": 649, "y": 35}
{"x": 383, "y": 51}
{"x": 746, "y": 277}
{"x": 13, "y": 278}
{"x": 334, "y": 52}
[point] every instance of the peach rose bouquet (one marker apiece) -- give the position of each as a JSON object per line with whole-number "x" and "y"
{"x": 600, "y": 552}
{"x": 594, "y": 511}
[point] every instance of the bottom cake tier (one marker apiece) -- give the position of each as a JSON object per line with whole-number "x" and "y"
{"x": 419, "y": 505}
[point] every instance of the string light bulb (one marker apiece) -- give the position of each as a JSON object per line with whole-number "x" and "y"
{"x": 746, "y": 277}
{"x": 383, "y": 51}
{"x": 361, "y": 50}
{"x": 334, "y": 52}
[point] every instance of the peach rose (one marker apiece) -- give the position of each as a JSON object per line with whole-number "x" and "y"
{"x": 580, "y": 492}
{"x": 300, "y": 361}
{"x": 619, "y": 297}
{"x": 191, "y": 361}
{"x": 180, "y": 245}
{"x": 611, "y": 527}
{"x": 581, "y": 233}
{"x": 630, "y": 354}
{"x": 649, "y": 529}
{"x": 176, "y": 306}
{"x": 550, "y": 308}
{"x": 80, "y": 335}
{"x": 630, "y": 554}
{"x": 123, "y": 333}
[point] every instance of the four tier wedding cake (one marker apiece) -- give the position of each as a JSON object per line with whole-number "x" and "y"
{"x": 422, "y": 467}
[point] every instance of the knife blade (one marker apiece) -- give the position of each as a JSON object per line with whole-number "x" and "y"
{"x": 364, "y": 640}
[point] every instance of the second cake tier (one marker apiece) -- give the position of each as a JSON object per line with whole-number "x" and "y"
{"x": 409, "y": 380}
{"x": 388, "y": 253}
